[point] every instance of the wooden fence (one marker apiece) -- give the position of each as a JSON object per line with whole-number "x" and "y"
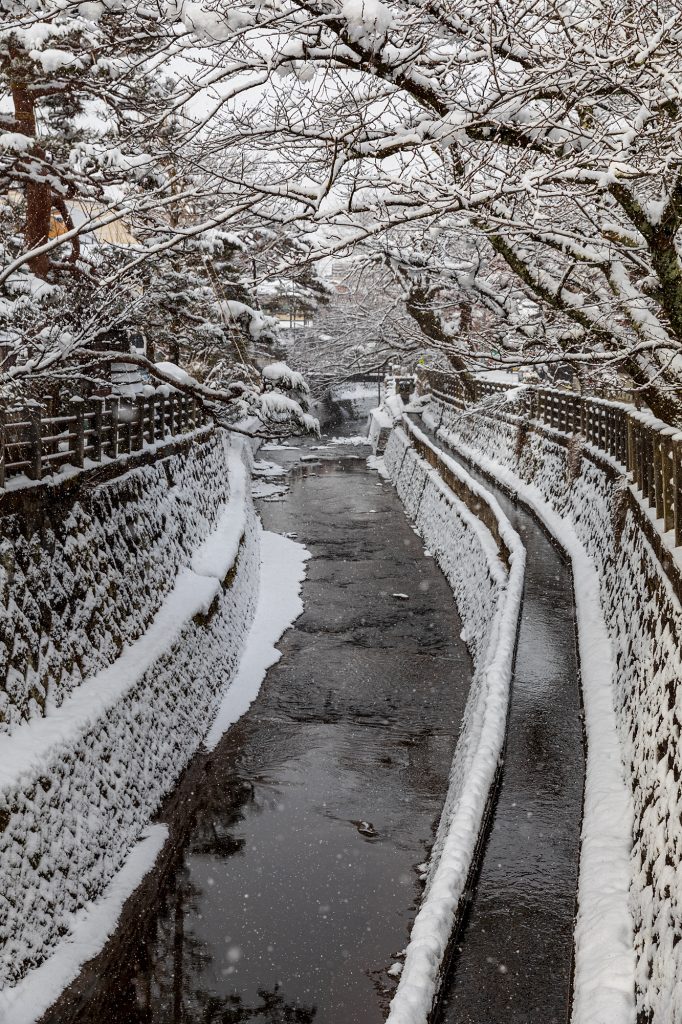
{"x": 37, "y": 441}
{"x": 646, "y": 449}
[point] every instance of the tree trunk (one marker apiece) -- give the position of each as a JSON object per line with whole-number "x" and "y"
{"x": 417, "y": 305}
{"x": 38, "y": 193}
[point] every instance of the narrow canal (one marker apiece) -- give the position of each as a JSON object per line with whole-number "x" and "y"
{"x": 293, "y": 878}
{"x": 512, "y": 963}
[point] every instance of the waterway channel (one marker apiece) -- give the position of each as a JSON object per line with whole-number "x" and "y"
{"x": 293, "y": 877}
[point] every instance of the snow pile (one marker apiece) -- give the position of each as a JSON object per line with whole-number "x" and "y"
{"x": 381, "y": 422}
{"x": 152, "y": 580}
{"x": 488, "y": 595}
{"x": 630, "y": 633}
{"x": 281, "y": 575}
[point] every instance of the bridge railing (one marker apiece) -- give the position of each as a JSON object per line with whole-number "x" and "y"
{"x": 36, "y": 441}
{"x": 647, "y": 449}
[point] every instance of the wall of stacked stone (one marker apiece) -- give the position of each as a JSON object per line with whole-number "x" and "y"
{"x": 84, "y": 573}
{"x": 80, "y": 584}
{"x": 487, "y": 592}
{"x": 644, "y": 617}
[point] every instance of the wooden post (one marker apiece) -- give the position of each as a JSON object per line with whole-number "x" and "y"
{"x": 97, "y": 429}
{"x": 35, "y": 440}
{"x": 113, "y": 406}
{"x": 172, "y": 403}
{"x": 139, "y": 423}
{"x": 78, "y": 410}
{"x": 667, "y": 481}
{"x": 631, "y": 463}
{"x": 639, "y": 435}
{"x": 151, "y": 420}
{"x": 161, "y": 415}
{"x": 2, "y": 444}
{"x": 677, "y": 489}
{"x": 658, "y": 472}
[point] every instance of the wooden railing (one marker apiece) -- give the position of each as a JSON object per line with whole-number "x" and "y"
{"x": 37, "y": 441}
{"x": 646, "y": 449}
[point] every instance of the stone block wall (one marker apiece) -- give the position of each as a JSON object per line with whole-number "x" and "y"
{"x": 82, "y": 771}
{"x": 644, "y": 617}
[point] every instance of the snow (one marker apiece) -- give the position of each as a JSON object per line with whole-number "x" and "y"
{"x": 604, "y": 940}
{"x": 175, "y": 372}
{"x": 52, "y": 60}
{"x": 280, "y": 375}
{"x": 264, "y": 468}
{"x": 90, "y": 928}
{"x": 15, "y": 142}
{"x": 357, "y": 441}
{"x": 282, "y": 570}
{"x": 488, "y": 597}
{"x": 498, "y": 376}
{"x": 218, "y": 552}
{"x": 262, "y": 489}
{"x": 144, "y": 638}
{"x": 367, "y": 18}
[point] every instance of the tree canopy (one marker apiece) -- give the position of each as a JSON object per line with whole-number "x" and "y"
{"x": 515, "y": 167}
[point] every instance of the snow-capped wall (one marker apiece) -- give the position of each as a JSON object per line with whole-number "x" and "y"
{"x": 75, "y": 576}
{"x": 131, "y": 608}
{"x": 488, "y": 594}
{"x": 644, "y": 620}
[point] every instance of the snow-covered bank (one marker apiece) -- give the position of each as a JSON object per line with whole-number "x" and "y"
{"x": 179, "y": 542}
{"x": 279, "y": 604}
{"x": 488, "y": 594}
{"x": 90, "y": 929}
{"x": 282, "y": 569}
{"x": 577, "y": 508}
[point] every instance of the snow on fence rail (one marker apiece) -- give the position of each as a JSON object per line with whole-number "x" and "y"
{"x": 35, "y": 445}
{"x": 645, "y": 447}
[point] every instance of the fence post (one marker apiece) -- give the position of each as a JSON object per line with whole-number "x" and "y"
{"x": 113, "y": 406}
{"x": 35, "y": 458}
{"x": 677, "y": 489}
{"x": 151, "y": 420}
{"x": 78, "y": 407}
{"x": 139, "y": 423}
{"x": 641, "y": 458}
{"x": 667, "y": 481}
{"x": 172, "y": 402}
{"x": 97, "y": 404}
{"x": 2, "y": 445}
{"x": 658, "y": 472}
{"x": 160, "y": 417}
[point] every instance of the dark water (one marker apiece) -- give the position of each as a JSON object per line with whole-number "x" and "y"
{"x": 513, "y": 962}
{"x": 291, "y": 883}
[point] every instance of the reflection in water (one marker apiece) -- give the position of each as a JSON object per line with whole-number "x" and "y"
{"x": 294, "y": 882}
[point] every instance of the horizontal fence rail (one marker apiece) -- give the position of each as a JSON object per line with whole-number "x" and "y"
{"x": 647, "y": 449}
{"x": 36, "y": 442}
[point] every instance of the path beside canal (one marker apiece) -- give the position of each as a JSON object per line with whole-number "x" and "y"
{"x": 513, "y": 961}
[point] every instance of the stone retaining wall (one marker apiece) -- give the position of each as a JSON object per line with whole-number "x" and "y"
{"x": 115, "y": 655}
{"x": 644, "y": 618}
